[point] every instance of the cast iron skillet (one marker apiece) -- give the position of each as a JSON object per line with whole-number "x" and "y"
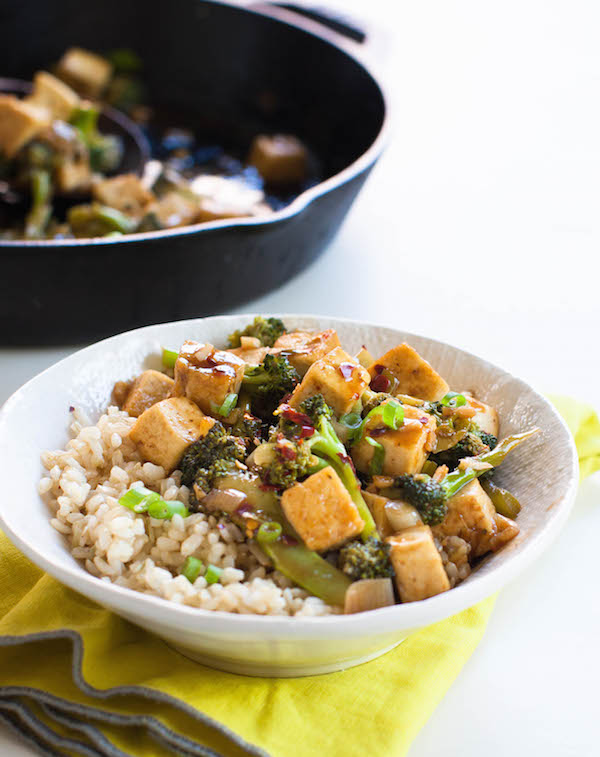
{"x": 241, "y": 71}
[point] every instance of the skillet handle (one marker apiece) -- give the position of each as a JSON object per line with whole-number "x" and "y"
{"x": 335, "y": 22}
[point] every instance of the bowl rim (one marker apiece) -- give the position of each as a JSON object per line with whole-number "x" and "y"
{"x": 364, "y": 161}
{"x": 399, "y": 616}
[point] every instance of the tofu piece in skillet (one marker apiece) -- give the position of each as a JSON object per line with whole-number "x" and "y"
{"x": 20, "y": 122}
{"x": 164, "y": 431}
{"x": 417, "y": 564}
{"x": 414, "y": 374}
{"x": 85, "y": 71}
{"x": 338, "y": 377}
{"x": 321, "y": 511}
{"x": 125, "y": 193}
{"x": 54, "y": 95}
{"x": 280, "y": 159}
{"x": 206, "y": 375}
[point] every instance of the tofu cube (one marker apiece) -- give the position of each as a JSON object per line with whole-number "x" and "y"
{"x": 73, "y": 173}
{"x": 280, "y": 159}
{"x": 175, "y": 209}
{"x": 125, "y": 193}
{"x": 164, "y": 431}
{"x": 54, "y": 95}
{"x": 303, "y": 348}
{"x": 338, "y": 377}
{"x": 206, "y": 376}
{"x": 20, "y": 122}
{"x": 414, "y": 374}
{"x": 405, "y": 450}
{"x": 486, "y": 416}
{"x": 417, "y": 564}
{"x": 321, "y": 511}
{"x": 86, "y": 72}
{"x": 472, "y": 516}
{"x": 220, "y": 197}
{"x": 376, "y": 504}
{"x": 148, "y": 388}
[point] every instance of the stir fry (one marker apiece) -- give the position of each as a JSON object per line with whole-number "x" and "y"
{"x": 61, "y": 175}
{"x": 365, "y": 481}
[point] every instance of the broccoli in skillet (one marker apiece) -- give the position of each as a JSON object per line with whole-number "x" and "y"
{"x": 366, "y": 559}
{"x": 212, "y": 456}
{"x": 268, "y": 383}
{"x": 268, "y": 330}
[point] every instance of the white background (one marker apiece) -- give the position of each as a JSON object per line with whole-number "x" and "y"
{"x": 480, "y": 227}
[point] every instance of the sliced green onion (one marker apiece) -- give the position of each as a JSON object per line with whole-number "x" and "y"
{"x": 270, "y": 531}
{"x": 212, "y": 574}
{"x": 169, "y": 357}
{"x": 192, "y": 568}
{"x": 351, "y": 420}
{"x": 376, "y": 464}
{"x": 86, "y": 121}
{"x": 429, "y": 468}
{"x": 392, "y": 416}
{"x": 453, "y": 399}
{"x": 226, "y": 407}
{"x": 142, "y": 500}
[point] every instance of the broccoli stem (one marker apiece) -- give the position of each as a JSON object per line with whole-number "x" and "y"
{"x": 307, "y": 569}
{"x": 455, "y": 481}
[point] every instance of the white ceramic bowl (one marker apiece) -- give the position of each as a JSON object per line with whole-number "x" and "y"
{"x": 542, "y": 473}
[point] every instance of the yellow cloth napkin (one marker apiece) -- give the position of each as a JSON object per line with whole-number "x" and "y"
{"x": 77, "y": 679}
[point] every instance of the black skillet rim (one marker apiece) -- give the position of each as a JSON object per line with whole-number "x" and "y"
{"x": 304, "y": 199}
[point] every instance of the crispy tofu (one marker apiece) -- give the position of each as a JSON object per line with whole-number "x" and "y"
{"x": 86, "y": 72}
{"x": 414, "y": 374}
{"x": 251, "y": 355}
{"x": 125, "y": 193}
{"x": 303, "y": 348}
{"x": 175, "y": 209}
{"x": 73, "y": 173}
{"x": 486, "y": 417}
{"x": 206, "y": 375}
{"x": 280, "y": 159}
{"x": 338, "y": 376}
{"x": 417, "y": 564}
{"x": 321, "y": 511}
{"x": 472, "y": 516}
{"x": 148, "y": 388}
{"x": 405, "y": 450}
{"x": 20, "y": 122}
{"x": 376, "y": 504}
{"x": 164, "y": 431}
{"x": 221, "y": 197}
{"x": 54, "y": 95}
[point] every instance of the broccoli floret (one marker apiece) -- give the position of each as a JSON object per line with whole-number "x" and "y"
{"x": 268, "y": 383}
{"x": 473, "y": 443}
{"x": 428, "y": 496}
{"x": 366, "y": 559}
{"x": 268, "y": 330}
{"x": 211, "y": 456}
{"x": 292, "y": 463}
{"x": 371, "y": 400}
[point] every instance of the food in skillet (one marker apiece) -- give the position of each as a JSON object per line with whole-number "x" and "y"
{"x": 283, "y": 475}
{"x": 60, "y": 177}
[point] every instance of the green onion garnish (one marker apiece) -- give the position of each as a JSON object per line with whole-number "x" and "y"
{"x": 269, "y": 531}
{"x": 392, "y": 416}
{"x": 142, "y": 500}
{"x": 192, "y": 568}
{"x": 376, "y": 464}
{"x": 169, "y": 357}
{"x": 453, "y": 399}
{"x": 351, "y": 420}
{"x": 212, "y": 574}
{"x": 226, "y": 407}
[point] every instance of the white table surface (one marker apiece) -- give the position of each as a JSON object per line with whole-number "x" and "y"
{"x": 480, "y": 227}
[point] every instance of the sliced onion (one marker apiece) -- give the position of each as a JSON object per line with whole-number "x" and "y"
{"x": 250, "y": 343}
{"x": 369, "y": 594}
{"x": 225, "y": 500}
{"x": 365, "y": 358}
{"x": 264, "y": 454}
{"x": 401, "y": 515}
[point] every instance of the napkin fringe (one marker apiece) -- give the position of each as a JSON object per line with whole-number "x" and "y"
{"x": 156, "y": 729}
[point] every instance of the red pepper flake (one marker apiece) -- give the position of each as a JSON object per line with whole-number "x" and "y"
{"x": 293, "y": 415}
{"x": 378, "y": 431}
{"x": 290, "y": 541}
{"x": 378, "y": 368}
{"x": 306, "y": 431}
{"x": 347, "y": 370}
{"x": 380, "y": 383}
{"x": 287, "y": 451}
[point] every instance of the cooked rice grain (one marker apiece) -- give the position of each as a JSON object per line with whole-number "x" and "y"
{"x": 82, "y": 489}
